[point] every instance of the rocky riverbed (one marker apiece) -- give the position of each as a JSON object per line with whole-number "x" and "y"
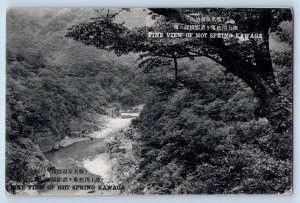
{"x": 89, "y": 152}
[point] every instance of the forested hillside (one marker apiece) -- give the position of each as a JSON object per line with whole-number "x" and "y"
{"x": 220, "y": 118}
{"x": 209, "y": 140}
{"x": 217, "y": 113}
{"x": 56, "y": 86}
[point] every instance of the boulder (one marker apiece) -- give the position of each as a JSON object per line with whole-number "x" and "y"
{"x": 115, "y": 150}
{"x": 56, "y": 146}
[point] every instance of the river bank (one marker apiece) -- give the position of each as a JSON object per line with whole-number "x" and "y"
{"x": 90, "y": 154}
{"x": 111, "y": 126}
{"x": 94, "y": 153}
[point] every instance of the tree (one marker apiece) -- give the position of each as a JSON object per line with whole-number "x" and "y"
{"x": 249, "y": 60}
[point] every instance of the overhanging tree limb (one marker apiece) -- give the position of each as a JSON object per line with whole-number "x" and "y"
{"x": 249, "y": 60}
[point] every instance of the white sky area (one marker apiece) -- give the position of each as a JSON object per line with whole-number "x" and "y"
{"x": 136, "y": 17}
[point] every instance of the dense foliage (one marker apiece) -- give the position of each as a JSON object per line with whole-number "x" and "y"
{"x": 248, "y": 59}
{"x": 208, "y": 141}
{"x": 204, "y": 129}
{"x": 51, "y": 83}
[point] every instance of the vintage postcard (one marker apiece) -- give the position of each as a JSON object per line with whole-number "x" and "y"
{"x": 117, "y": 101}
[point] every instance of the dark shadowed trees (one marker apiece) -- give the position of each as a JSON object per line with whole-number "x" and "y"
{"x": 250, "y": 60}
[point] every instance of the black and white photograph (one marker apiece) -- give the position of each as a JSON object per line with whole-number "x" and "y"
{"x": 149, "y": 101}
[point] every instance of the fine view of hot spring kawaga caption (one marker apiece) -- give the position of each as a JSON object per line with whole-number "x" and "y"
{"x": 168, "y": 101}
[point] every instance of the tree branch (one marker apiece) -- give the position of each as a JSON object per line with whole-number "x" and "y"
{"x": 170, "y": 14}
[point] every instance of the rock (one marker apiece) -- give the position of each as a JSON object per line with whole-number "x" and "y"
{"x": 123, "y": 151}
{"x": 76, "y": 134}
{"x": 56, "y": 146}
{"x": 115, "y": 150}
{"x": 95, "y": 128}
{"x": 46, "y": 176}
{"x": 45, "y": 139}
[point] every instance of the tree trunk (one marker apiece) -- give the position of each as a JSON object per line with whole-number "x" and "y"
{"x": 278, "y": 110}
{"x": 260, "y": 77}
{"x": 175, "y": 70}
{"x": 273, "y": 105}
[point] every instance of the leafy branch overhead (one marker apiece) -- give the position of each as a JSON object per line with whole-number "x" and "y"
{"x": 105, "y": 33}
{"x": 216, "y": 113}
{"x": 249, "y": 60}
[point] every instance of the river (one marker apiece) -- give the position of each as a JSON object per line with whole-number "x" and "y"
{"x": 85, "y": 163}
